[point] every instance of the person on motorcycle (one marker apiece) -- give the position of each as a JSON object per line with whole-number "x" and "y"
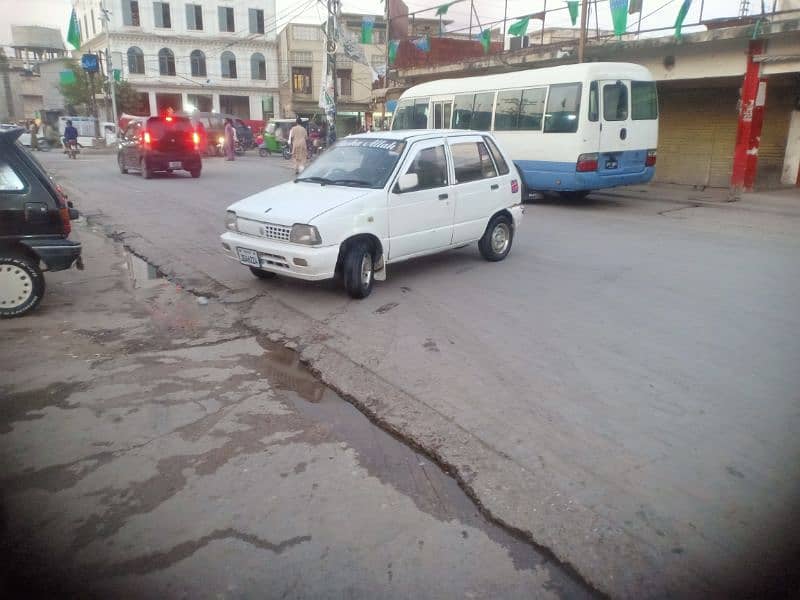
{"x": 70, "y": 135}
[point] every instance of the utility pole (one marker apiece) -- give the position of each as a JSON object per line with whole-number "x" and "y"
{"x": 106, "y": 18}
{"x": 330, "y": 54}
{"x": 582, "y": 40}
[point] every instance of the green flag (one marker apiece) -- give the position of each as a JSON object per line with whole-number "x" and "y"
{"x": 74, "y": 32}
{"x": 681, "y": 16}
{"x": 117, "y": 74}
{"x": 572, "y": 5}
{"x": 519, "y": 28}
{"x": 486, "y": 40}
{"x": 367, "y": 24}
{"x": 619, "y": 15}
{"x": 393, "y": 45}
{"x": 442, "y": 10}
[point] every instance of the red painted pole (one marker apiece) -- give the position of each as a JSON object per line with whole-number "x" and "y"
{"x": 751, "y": 120}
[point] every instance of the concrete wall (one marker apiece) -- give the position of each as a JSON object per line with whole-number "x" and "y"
{"x": 791, "y": 163}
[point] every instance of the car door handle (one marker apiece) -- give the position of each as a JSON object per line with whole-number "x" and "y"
{"x": 443, "y": 196}
{"x": 495, "y": 186}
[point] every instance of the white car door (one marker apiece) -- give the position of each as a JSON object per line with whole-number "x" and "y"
{"x": 421, "y": 218}
{"x": 478, "y": 187}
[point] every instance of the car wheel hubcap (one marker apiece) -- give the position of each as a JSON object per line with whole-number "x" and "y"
{"x": 500, "y": 238}
{"x": 366, "y": 269}
{"x": 16, "y": 286}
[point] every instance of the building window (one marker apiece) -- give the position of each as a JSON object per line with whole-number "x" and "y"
{"x": 85, "y": 28}
{"x": 302, "y": 58}
{"x": 256, "y": 20}
{"x": 161, "y": 15}
{"x": 130, "y": 13}
{"x": 306, "y": 33}
{"x": 228, "y": 61}
{"x": 258, "y": 66}
{"x": 194, "y": 17}
{"x": 94, "y": 31}
{"x": 226, "y": 18}
{"x": 377, "y": 61}
{"x": 301, "y": 80}
{"x": 344, "y": 80}
{"x": 135, "y": 60}
{"x": 198, "y": 63}
{"x": 166, "y": 62}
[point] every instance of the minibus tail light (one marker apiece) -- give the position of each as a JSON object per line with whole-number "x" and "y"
{"x": 587, "y": 162}
{"x": 651, "y": 159}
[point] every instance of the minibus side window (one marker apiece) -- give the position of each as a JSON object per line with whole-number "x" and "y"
{"x": 594, "y": 101}
{"x": 462, "y": 111}
{"x": 532, "y": 109}
{"x": 563, "y": 104}
{"x": 420, "y": 113}
{"x": 506, "y": 117}
{"x": 482, "y": 111}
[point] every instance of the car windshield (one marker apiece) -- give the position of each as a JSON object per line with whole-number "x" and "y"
{"x": 356, "y": 162}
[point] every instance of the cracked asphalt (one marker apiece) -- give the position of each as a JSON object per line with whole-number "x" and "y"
{"x": 622, "y": 390}
{"x": 155, "y": 447}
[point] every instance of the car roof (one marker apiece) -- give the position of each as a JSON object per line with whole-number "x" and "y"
{"x": 9, "y": 135}
{"x": 417, "y": 134}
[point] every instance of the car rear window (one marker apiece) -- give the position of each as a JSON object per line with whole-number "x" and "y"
{"x": 159, "y": 126}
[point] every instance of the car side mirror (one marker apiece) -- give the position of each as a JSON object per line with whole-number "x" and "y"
{"x": 407, "y": 182}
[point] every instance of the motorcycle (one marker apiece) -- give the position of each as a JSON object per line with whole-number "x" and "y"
{"x": 238, "y": 149}
{"x": 71, "y": 148}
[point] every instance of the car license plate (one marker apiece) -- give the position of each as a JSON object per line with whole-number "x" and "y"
{"x": 248, "y": 257}
{"x": 174, "y": 164}
{"x": 611, "y": 164}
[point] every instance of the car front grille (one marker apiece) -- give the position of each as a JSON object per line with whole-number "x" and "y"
{"x": 275, "y": 232}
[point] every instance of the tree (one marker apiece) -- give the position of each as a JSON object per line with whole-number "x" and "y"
{"x": 129, "y": 100}
{"x": 77, "y": 95}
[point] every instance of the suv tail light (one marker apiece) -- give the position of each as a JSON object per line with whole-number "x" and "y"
{"x": 146, "y": 138}
{"x": 587, "y": 162}
{"x": 63, "y": 210}
{"x": 196, "y": 140}
{"x": 650, "y": 161}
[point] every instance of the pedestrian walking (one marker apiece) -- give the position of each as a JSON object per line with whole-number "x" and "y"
{"x": 34, "y": 129}
{"x": 298, "y": 140}
{"x": 229, "y": 140}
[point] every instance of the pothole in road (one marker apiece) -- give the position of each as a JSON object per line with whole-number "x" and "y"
{"x": 141, "y": 273}
{"x": 394, "y": 463}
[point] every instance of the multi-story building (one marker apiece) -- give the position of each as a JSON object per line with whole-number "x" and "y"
{"x": 196, "y": 54}
{"x": 29, "y": 73}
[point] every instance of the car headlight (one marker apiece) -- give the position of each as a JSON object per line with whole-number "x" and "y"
{"x": 305, "y": 234}
{"x": 230, "y": 221}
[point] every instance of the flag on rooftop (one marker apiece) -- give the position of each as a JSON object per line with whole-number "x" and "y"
{"x": 74, "y": 32}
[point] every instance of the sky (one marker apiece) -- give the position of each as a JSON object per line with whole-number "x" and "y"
{"x": 656, "y": 13}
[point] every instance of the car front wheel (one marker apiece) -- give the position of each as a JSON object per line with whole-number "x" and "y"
{"x": 121, "y": 163}
{"x": 145, "y": 170}
{"x": 358, "y": 270}
{"x": 21, "y": 286}
{"x": 496, "y": 241}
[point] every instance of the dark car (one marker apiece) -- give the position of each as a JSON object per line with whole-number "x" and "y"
{"x": 35, "y": 222}
{"x": 165, "y": 143}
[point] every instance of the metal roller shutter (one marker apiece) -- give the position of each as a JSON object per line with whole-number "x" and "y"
{"x": 774, "y": 134}
{"x": 696, "y": 136}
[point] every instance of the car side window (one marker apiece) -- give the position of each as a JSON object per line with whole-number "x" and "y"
{"x": 430, "y": 165}
{"x": 472, "y": 162}
{"x": 502, "y": 166}
{"x": 9, "y": 180}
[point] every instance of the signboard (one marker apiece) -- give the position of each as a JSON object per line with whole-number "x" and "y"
{"x": 89, "y": 63}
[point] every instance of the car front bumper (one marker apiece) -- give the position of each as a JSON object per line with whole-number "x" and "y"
{"x": 284, "y": 258}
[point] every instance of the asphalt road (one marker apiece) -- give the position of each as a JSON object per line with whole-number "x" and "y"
{"x": 623, "y": 388}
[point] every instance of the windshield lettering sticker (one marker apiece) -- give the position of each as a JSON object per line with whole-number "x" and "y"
{"x": 394, "y": 146}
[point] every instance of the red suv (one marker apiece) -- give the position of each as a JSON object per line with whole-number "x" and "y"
{"x": 165, "y": 143}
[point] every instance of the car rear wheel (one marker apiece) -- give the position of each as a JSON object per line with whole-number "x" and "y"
{"x": 121, "y": 163}
{"x": 145, "y": 170}
{"x": 358, "y": 270}
{"x": 21, "y": 285}
{"x": 262, "y": 274}
{"x": 496, "y": 241}
{"x": 195, "y": 172}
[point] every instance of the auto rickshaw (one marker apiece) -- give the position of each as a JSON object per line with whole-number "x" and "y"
{"x": 276, "y": 136}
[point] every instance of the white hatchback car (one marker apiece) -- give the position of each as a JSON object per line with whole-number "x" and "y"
{"x": 379, "y": 198}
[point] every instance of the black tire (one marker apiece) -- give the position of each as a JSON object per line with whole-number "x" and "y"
{"x": 145, "y": 170}
{"x": 497, "y": 239}
{"x": 122, "y": 168}
{"x": 262, "y": 274}
{"x": 358, "y": 270}
{"x": 262, "y": 152}
{"x": 21, "y": 285}
{"x": 195, "y": 173}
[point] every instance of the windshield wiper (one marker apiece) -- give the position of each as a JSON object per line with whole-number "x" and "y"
{"x": 352, "y": 182}
{"x": 320, "y": 180}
